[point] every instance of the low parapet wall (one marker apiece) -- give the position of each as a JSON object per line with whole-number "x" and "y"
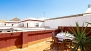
{"x": 67, "y": 28}
{"x": 10, "y": 41}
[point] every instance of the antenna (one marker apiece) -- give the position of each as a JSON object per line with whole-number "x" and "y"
{"x": 6, "y": 16}
{"x": 44, "y": 17}
{"x": 44, "y": 21}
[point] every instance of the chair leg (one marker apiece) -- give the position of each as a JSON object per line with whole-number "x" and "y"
{"x": 61, "y": 46}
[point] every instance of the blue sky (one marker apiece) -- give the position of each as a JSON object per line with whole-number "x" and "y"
{"x": 34, "y": 8}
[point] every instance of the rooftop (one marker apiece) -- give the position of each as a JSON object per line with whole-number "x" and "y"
{"x": 40, "y": 46}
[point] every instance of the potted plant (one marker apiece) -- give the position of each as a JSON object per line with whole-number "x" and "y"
{"x": 83, "y": 41}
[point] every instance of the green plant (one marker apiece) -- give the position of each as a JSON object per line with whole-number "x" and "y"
{"x": 83, "y": 41}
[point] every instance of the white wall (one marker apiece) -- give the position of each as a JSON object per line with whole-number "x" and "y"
{"x": 88, "y": 19}
{"x": 52, "y": 23}
{"x": 80, "y": 20}
{"x": 14, "y": 24}
{"x": 68, "y": 21}
{"x": 32, "y": 23}
{"x": 2, "y": 24}
{"x": 65, "y": 22}
{"x": 7, "y": 24}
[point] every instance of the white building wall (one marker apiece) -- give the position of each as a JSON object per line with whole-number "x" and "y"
{"x": 73, "y": 20}
{"x": 32, "y": 23}
{"x": 8, "y": 24}
{"x": 53, "y": 23}
{"x": 68, "y": 21}
{"x": 88, "y": 19}
{"x": 21, "y": 24}
{"x": 25, "y": 24}
{"x": 2, "y": 24}
{"x": 14, "y": 24}
{"x": 40, "y": 23}
{"x": 80, "y": 20}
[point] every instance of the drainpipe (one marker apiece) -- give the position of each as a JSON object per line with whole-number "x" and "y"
{"x": 12, "y": 30}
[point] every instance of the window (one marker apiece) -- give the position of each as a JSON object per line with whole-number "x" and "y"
{"x": 8, "y": 31}
{"x": 27, "y": 24}
{"x": 5, "y": 24}
{"x": 12, "y": 24}
{"x": 37, "y": 24}
{"x": 0, "y": 31}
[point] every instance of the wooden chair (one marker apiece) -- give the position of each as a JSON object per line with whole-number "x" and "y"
{"x": 52, "y": 41}
{"x": 53, "y": 36}
{"x": 67, "y": 44}
{"x": 57, "y": 45}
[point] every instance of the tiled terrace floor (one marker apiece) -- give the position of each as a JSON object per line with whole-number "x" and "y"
{"x": 40, "y": 46}
{"x": 36, "y": 47}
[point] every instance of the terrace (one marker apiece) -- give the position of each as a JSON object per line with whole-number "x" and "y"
{"x": 36, "y": 39}
{"x": 39, "y": 46}
{"x": 44, "y": 45}
{"x": 24, "y": 38}
{"x": 39, "y": 39}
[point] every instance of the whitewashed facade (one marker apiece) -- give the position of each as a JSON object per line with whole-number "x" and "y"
{"x": 54, "y": 22}
{"x": 68, "y": 21}
{"x": 32, "y": 23}
{"x": 2, "y": 24}
{"x": 12, "y": 23}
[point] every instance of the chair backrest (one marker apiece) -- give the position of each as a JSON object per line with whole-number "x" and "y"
{"x": 53, "y": 33}
{"x": 56, "y": 40}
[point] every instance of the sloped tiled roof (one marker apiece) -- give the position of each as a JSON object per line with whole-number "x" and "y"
{"x": 15, "y": 19}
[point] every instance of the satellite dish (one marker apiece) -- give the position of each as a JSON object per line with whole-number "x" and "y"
{"x": 89, "y": 6}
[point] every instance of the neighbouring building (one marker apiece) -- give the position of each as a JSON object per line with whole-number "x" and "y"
{"x": 2, "y": 22}
{"x": 12, "y": 23}
{"x": 70, "y": 20}
{"x": 32, "y": 22}
{"x": 54, "y": 22}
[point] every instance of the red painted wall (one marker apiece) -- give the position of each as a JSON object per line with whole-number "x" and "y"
{"x": 36, "y": 35}
{"x": 6, "y": 39}
{"x": 20, "y": 38}
{"x": 66, "y": 28}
